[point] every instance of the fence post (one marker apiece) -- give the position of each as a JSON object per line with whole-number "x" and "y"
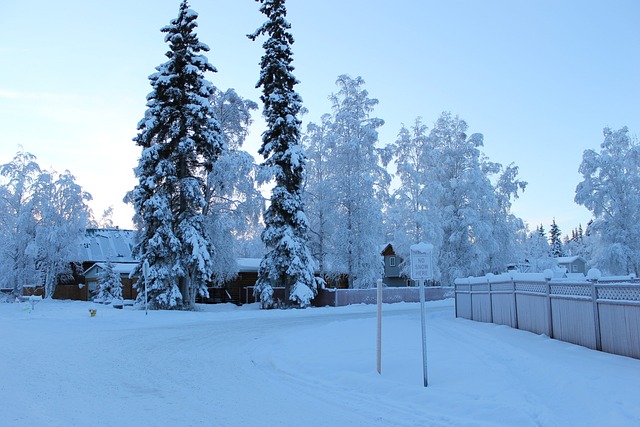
{"x": 488, "y": 276}
{"x": 548, "y": 275}
{"x": 455, "y": 296}
{"x": 593, "y": 275}
{"x": 596, "y": 314}
{"x": 515, "y": 302}
{"x": 470, "y": 300}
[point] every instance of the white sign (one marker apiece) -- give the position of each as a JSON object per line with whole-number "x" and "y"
{"x": 421, "y": 261}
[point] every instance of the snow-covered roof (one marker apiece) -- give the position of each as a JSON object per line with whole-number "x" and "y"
{"x": 112, "y": 244}
{"x": 248, "y": 265}
{"x": 122, "y": 268}
{"x": 569, "y": 259}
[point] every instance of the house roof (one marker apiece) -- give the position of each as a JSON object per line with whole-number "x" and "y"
{"x": 122, "y": 268}
{"x": 386, "y": 249}
{"x": 569, "y": 259}
{"x": 248, "y": 265}
{"x": 112, "y": 244}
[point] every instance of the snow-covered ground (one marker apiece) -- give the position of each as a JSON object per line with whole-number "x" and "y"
{"x": 241, "y": 366}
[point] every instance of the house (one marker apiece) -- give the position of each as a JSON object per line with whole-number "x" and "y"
{"x": 107, "y": 244}
{"x": 238, "y": 290}
{"x": 573, "y": 264}
{"x": 392, "y": 275}
{"x": 98, "y": 247}
{"x": 93, "y": 274}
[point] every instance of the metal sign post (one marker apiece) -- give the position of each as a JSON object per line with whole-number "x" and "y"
{"x": 422, "y": 270}
{"x": 379, "y": 337}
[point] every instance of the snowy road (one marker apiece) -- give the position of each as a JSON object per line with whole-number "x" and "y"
{"x": 233, "y": 366}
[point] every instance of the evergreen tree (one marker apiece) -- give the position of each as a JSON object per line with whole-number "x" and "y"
{"x": 555, "y": 241}
{"x": 537, "y": 252}
{"x": 109, "y": 284}
{"x": 180, "y": 140}
{"x": 288, "y": 260}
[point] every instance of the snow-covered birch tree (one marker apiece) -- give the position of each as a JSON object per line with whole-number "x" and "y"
{"x": 288, "y": 261}
{"x": 234, "y": 204}
{"x": 62, "y": 215}
{"x": 180, "y": 140}
{"x": 360, "y": 184}
{"x": 469, "y": 216}
{"x": 319, "y": 196}
{"x": 17, "y": 223}
{"x": 43, "y": 219}
{"x": 413, "y": 215}
{"x": 609, "y": 189}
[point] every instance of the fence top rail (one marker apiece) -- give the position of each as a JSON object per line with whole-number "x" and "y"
{"x": 564, "y": 288}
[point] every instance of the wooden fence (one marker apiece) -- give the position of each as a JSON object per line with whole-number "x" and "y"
{"x": 600, "y": 316}
{"x": 390, "y": 294}
{"x": 342, "y": 297}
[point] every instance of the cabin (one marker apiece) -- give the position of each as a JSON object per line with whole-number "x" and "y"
{"x": 573, "y": 264}
{"x": 393, "y": 275}
{"x": 93, "y": 274}
{"x": 107, "y": 244}
{"x": 238, "y": 290}
{"x": 99, "y": 246}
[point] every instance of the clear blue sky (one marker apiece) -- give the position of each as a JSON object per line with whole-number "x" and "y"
{"x": 540, "y": 79}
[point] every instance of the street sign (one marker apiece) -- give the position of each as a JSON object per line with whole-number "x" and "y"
{"x": 421, "y": 261}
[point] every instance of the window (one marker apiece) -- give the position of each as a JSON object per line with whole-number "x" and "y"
{"x": 392, "y": 261}
{"x": 574, "y": 268}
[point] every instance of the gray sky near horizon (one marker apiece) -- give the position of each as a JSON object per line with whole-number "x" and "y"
{"x": 540, "y": 79}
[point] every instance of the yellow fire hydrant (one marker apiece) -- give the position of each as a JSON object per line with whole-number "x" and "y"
{"x": 93, "y": 312}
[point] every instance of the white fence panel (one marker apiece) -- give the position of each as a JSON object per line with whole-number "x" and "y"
{"x": 573, "y": 321}
{"x": 504, "y": 309}
{"x": 620, "y": 328}
{"x": 599, "y": 316}
{"x": 463, "y": 305}
{"x": 533, "y": 313}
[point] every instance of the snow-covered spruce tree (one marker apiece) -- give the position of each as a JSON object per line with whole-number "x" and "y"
{"x": 109, "y": 284}
{"x": 180, "y": 140}
{"x": 609, "y": 189}
{"x": 576, "y": 244}
{"x": 288, "y": 261}
{"x": 537, "y": 251}
{"x": 555, "y": 240}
